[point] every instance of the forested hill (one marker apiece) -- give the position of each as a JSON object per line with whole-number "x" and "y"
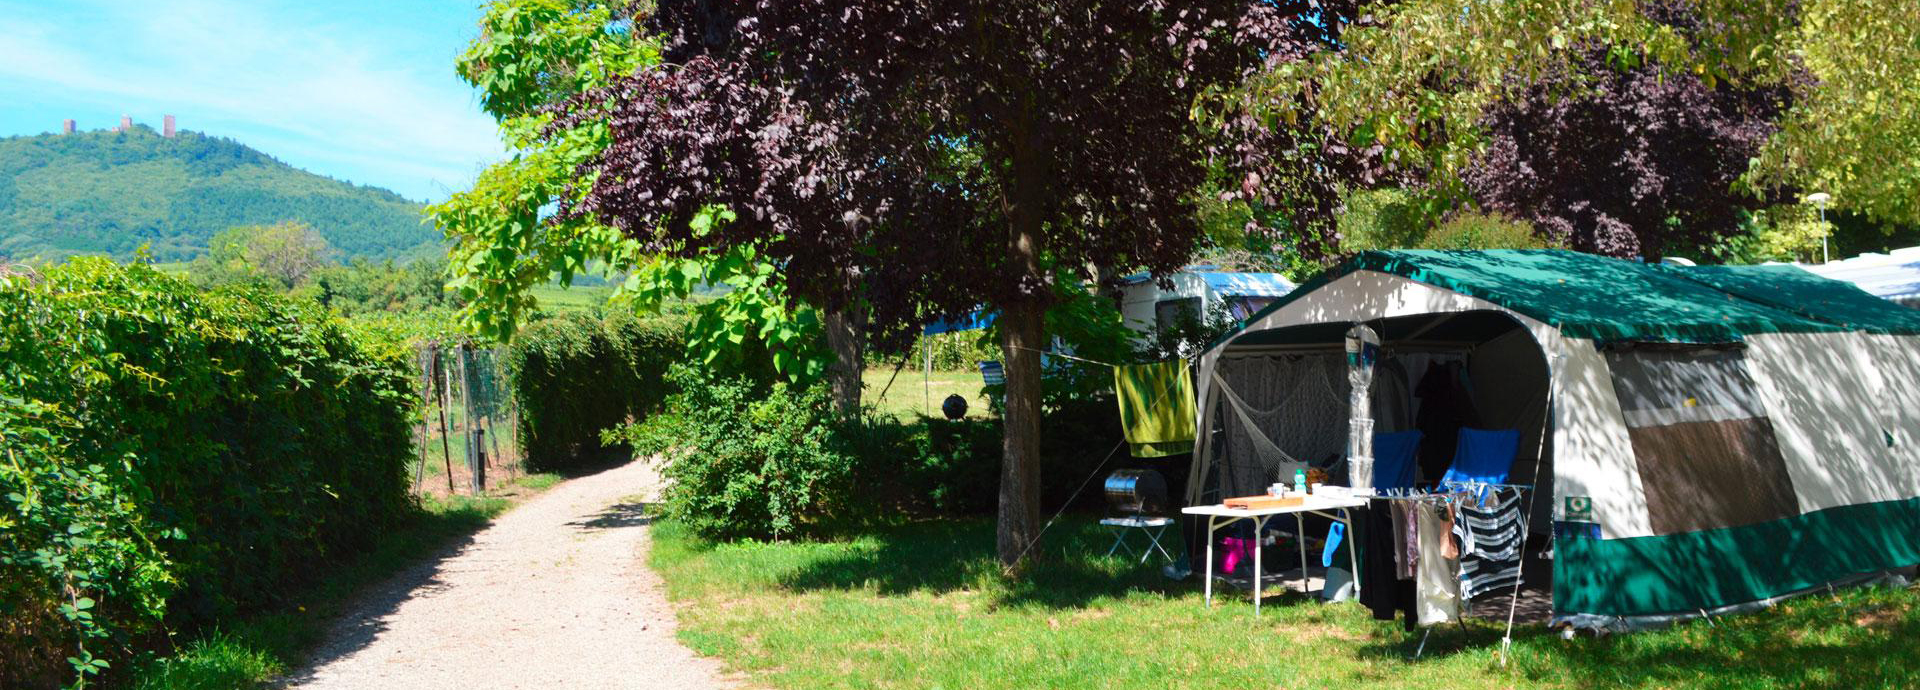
{"x": 105, "y": 192}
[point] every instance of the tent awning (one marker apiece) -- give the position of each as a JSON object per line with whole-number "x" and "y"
{"x": 1600, "y": 298}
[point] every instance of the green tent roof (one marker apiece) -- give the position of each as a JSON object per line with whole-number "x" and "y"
{"x": 1595, "y": 297}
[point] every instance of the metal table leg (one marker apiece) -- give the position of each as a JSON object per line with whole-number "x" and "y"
{"x": 1300, "y": 535}
{"x": 1209, "y": 580}
{"x": 1353, "y": 549}
{"x": 1259, "y": 525}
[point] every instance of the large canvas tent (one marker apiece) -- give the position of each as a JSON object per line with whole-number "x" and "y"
{"x": 1698, "y": 437}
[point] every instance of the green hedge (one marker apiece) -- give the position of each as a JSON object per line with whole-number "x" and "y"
{"x": 575, "y": 376}
{"x": 174, "y": 456}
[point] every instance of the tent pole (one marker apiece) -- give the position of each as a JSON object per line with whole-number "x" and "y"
{"x": 1526, "y": 517}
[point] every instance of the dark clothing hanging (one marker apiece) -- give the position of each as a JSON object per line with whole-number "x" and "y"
{"x": 1445, "y": 406}
{"x": 1381, "y": 589}
{"x": 1490, "y": 544}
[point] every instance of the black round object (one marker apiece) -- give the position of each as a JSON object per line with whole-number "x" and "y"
{"x": 954, "y": 407}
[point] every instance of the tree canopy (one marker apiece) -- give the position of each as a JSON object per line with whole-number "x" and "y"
{"x": 923, "y": 157}
{"x": 1626, "y": 126}
{"x": 1629, "y": 162}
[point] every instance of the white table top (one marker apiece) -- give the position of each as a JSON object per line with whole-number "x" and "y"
{"x": 1312, "y": 503}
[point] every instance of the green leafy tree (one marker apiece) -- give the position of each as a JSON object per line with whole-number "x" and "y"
{"x": 282, "y": 255}
{"x": 1419, "y": 78}
{"x": 530, "y": 57}
{"x": 1854, "y": 131}
{"x": 920, "y": 158}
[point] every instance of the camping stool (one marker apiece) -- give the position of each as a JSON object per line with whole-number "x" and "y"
{"x": 992, "y": 374}
{"x": 1153, "y": 527}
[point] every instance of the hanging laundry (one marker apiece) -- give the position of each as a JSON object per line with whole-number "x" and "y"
{"x": 1381, "y": 589}
{"x": 1490, "y": 544}
{"x": 1437, "y": 582}
{"x": 1156, "y": 407}
{"x": 1406, "y": 541}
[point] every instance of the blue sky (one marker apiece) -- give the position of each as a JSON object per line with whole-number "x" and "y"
{"x": 360, "y": 90}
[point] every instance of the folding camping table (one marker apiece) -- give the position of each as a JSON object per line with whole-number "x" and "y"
{"x": 1221, "y": 516}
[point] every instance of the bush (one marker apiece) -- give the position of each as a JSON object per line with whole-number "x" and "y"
{"x": 575, "y": 376}
{"x": 181, "y": 455}
{"x": 746, "y": 459}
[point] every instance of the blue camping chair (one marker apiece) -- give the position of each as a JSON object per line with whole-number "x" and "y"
{"x": 1483, "y": 456}
{"x": 1393, "y": 466}
{"x": 1393, "y": 459}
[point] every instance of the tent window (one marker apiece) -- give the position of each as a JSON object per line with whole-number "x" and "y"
{"x": 1171, "y": 312}
{"x": 1706, "y": 451}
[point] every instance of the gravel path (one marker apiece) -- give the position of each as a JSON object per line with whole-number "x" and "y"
{"x": 554, "y": 594}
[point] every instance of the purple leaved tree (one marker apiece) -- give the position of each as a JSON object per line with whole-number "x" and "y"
{"x": 1627, "y": 162}
{"x": 913, "y": 159}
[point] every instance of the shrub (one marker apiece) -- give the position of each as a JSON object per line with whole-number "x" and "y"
{"x": 575, "y": 376}
{"x": 179, "y": 456}
{"x": 953, "y": 466}
{"x": 746, "y": 459}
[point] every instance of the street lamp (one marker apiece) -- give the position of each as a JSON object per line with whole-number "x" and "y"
{"x": 1819, "y": 201}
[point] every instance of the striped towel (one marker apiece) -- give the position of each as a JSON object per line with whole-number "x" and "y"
{"x": 1490, "y": 545}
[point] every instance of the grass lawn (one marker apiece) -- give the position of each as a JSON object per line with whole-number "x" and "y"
{"x": 559, "y": 298}
{"x": 921, "y": 605}
{"x": 268, "y": 643}
{"x": 911, "y": 392}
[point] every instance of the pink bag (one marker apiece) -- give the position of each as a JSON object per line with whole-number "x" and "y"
{"x": 1237, "y": 550}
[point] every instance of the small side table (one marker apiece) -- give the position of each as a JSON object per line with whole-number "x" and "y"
{"x": 1153, "y": 527}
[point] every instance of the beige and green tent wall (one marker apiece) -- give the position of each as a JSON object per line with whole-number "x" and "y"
{"x": 1715, "y": 435}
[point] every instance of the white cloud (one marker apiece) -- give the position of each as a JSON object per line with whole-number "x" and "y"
{"x": 336, "y": 98}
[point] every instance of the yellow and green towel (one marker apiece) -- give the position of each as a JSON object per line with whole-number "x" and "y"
{"x": 1156, "y": 407}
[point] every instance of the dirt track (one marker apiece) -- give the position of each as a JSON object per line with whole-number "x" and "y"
{"x": 554, "y": 594}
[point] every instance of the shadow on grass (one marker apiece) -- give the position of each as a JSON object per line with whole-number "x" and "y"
{"x": 1068, "y": 569}
{"x": 1863, "y": 638}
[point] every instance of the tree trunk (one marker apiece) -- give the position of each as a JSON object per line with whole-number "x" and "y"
{"x": 1021, "y": 333}
{"x": 1022, "y": 338}
{"x": 844, "y": 328}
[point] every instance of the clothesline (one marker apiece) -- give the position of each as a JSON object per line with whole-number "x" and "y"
{"x": 1447, "y": 490}
{"x": 1051, "y": 353}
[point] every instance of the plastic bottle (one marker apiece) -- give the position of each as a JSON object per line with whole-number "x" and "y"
{"x": 1300, "y": 482}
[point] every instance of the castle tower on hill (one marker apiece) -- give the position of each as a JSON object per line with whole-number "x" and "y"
{"x": 126, "y": 123}
{"x": 166, "y": 127}
{"x": 67, "y": 126}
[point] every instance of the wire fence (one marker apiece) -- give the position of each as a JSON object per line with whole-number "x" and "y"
{"x": 469, "y": 426}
